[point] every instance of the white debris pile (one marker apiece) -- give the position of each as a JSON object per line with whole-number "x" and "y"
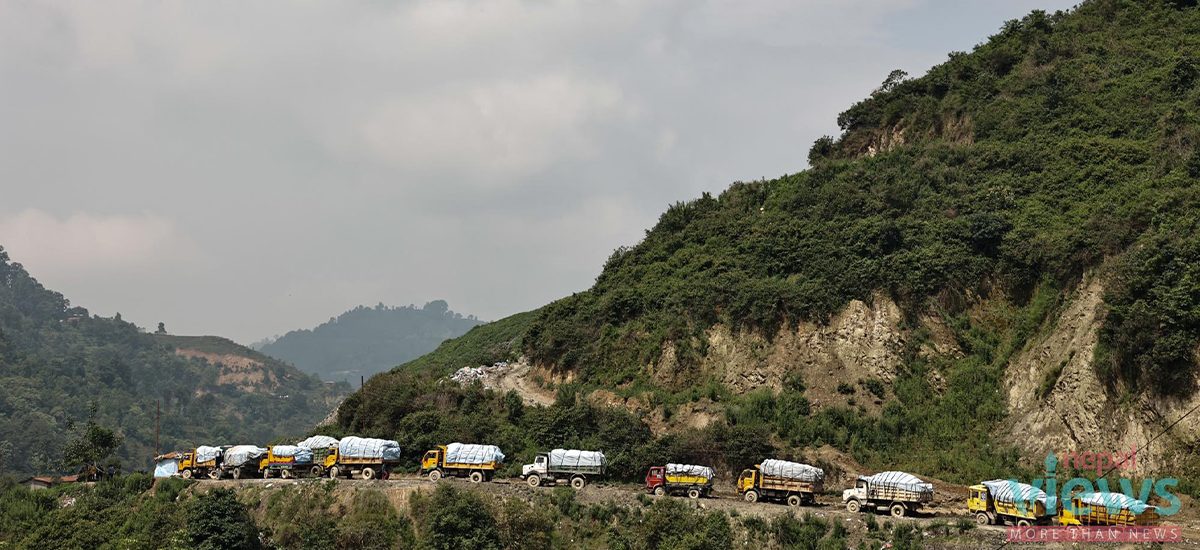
{"x": 483, "y": 373}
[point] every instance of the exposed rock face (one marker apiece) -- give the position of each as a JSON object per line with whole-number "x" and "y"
{"x": 245, "y": 373}
{"x": 1077, "y": 414}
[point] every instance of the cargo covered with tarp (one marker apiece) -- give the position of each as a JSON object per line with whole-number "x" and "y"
{"x": 900, "y": 480}
{"x": 1107, "y": 508}
{"x": 166, "y": 467}
{"x": 291, "y": 453}
{"x": 689, "y": 470}
{"x": 365, "y": 448}
{"x": 318, "y": 442}
{"x": 792, "y": 470}
{"x": 205, "y": 453}
{"x": 466, "y": 453}
{"x": 239, "y": 455}
{"x": 573, "y": 459}
{"x": 1012, "y": 498}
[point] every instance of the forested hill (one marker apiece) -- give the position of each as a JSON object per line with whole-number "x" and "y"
{"x": 974, "y": 199}
{"x": 365, "y": 340}
{"x": 60, "y": 367}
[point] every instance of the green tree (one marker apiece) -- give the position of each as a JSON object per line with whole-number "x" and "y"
{"x": 216, "y": 520}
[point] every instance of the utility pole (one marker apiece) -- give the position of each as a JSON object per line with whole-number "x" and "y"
{"x": 362, "y": 381}
{"x": 157, "y": 421}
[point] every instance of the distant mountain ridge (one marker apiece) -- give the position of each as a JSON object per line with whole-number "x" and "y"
{"x": 368, "y": 340}
{"x": 60, "y": 366}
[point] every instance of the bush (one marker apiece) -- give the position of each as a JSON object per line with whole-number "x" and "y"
{"x": 216, "y": 520}
{"x": 451, "y": 519}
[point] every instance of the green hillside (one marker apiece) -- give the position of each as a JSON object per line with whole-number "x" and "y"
{"x": 1064, "y": 143}
{"x": 369, "y": 340}
{"x": 60, "y": 367}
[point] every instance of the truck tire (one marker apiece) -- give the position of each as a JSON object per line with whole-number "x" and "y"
{"x": 793, "y": 500}
{"x": 898, "y": 510}
{"x": 236, "y": 473}
{"x": 982, "y": 519}
{"x": 750, "y": 496}
{"x": 693, "y": 493}
{"x": 266, "y": 473}
{"x": 853, "y": 506}
{"x": 367, "y": 473}
{"x": 534, "y": 481}
{"x": 317, "y": 471}
{"x": 578, "y": 482}
{"x": 435, "y": 475}
{"x": 476, "y": 477}
{"x": 214, "y": 474}
{"x": 1023, "y": 523}
{"x": 660, "y": 491}
{"x": 334, "y": 471}
{"x": 285, "y": 473}
{"x": 187, "y": 474}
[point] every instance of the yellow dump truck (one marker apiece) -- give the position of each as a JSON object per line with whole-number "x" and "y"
{"x": 1002, "y": 501}
{"x": 366, "y": 458}
{"x": 1107, "y": 509}
{"x": 290, "y": 461}
{"x": 476, "y": 462}
{"x": 781, "y": 481}
{"x": 673, "y": 479}
{"x": 199, "y": 462}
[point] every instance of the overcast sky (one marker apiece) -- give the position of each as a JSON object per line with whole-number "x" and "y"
{"x": 246, "y": 168}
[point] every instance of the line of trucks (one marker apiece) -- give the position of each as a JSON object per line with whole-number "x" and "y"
{"x": 995, "y": 502}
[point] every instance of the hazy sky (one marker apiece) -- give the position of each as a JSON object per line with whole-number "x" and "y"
{"x": 246, "y": 168}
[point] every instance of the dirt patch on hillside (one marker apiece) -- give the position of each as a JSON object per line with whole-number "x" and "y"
{"x": 246, "y": 374}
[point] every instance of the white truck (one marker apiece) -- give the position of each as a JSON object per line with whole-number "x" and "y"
{"x": 571, "y": 465}
{"x": 899, "y": 493}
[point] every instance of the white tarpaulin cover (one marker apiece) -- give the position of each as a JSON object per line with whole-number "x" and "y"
{"x": 318, "y": 442}
{"x": 1115, "y": 501}
{"x": 241, "y": 454}
{"x": 205, "y": 453}
{"x": 1010, "y": 491}
{"x": 166, "y": 468}
{"x": 465, "y": 453}
{"x": 300, "y": 454}
{"x": 569, "y": 458}
{"x": 900, "y": 480}
{"x": 690, "y": 470}
{"x": 365, "y": 447}
{"x": 791, "y": 470}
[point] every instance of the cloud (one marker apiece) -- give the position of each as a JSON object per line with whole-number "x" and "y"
{"x": 88, "y": 243}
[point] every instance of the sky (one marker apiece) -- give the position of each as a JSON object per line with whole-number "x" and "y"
{"x": 245, "y": 168}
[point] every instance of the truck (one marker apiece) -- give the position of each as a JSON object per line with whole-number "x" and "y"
{"x": 898, "y": 492}
{"x": 364, "y": 457}
{"x": 199, "y": 462}
{"x": 676, "y": 479}
{"x": 476, "y": 462}
{"x": 241, "y": 461}
{"x": 781, "y": 481}
{"x": 1105, "y": 508}
{"x": 1003, "y": 501}
{"x": 288, "y": 461}
{"x": 570, "y": 465}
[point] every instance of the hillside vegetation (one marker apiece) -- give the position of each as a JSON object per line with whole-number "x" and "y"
{"x": 61, "y": 367}
{"x": 365, "y": 341}
{"x": 1064, "y": 144}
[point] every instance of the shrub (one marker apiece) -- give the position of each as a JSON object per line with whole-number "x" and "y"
{"x": 216, "y": 520}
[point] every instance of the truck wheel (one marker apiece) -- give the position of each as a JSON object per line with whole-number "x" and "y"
{"x": 693, "y": 493}
{"x": 367, "y": 473}
{"x": 852, "y": 506}
{"x": 793, "y": 500}
{"x": 435, "y": 475}
{"x": 237, "y": 473}
{"x": 660, "y": 491}
{"x": 267, "y": 473}
{"x": 750, "y": 496}
{"x": 285, "y": 473}
{"x": 334, "y": 472}
{"x": 578, "y": 482}
{"x": 982, "y": 519}
{"x": 1023, "y": 523}
{"x": 187, "y": 474}
{"x": 534, "y": 481}
{"x": 214, "y": 474}
{"x": 898, "y": 510}
{"x": 476, "y": 477}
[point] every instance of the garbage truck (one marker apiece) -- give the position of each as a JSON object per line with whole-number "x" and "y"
{"x": 571, "y": 465}
{"x": 199, "y": 462}
{"x": 677, "y": 479}
{"x": 1107, "y": 509}
{"x": 364, "y": 457}
{"x": 781, "y": 481}
{"x": 1001, "y": 501}
{"x": 898, "y": 492}
{"x": 287, "y": 461}
{"x": 476, "y": 462}
{"x": 241, "y": 461}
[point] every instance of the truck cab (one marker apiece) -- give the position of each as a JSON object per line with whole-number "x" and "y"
{"x": 433, "y": 458}
{"x": 748, "y": 480}
{"x": 539, "y": 466}
{"x": 656, "y": 478}
{"x": 856, "y": 493}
